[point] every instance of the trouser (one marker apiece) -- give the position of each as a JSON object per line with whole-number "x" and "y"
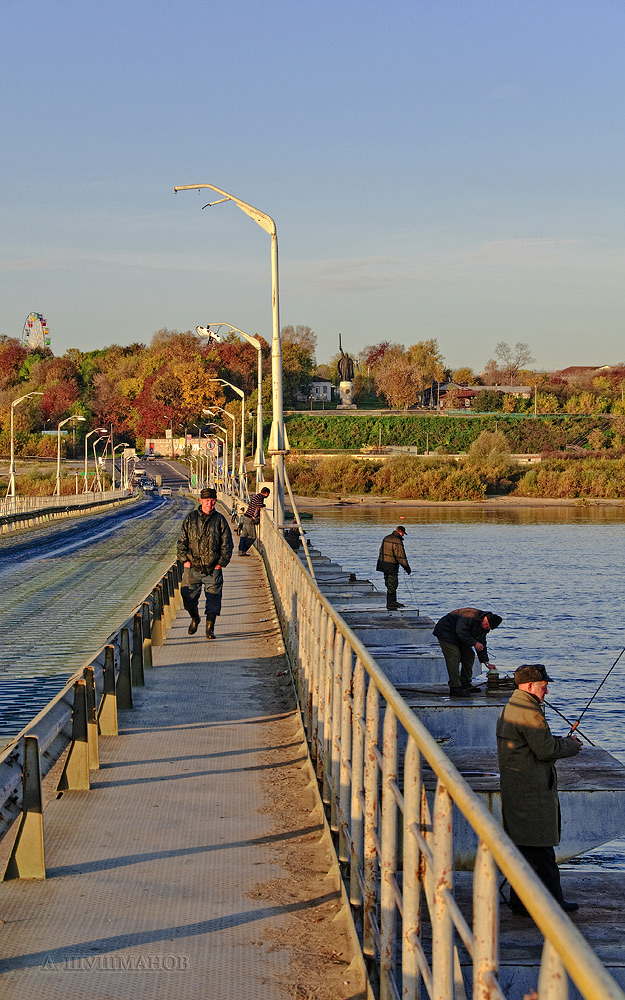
{"x": 248, "y": 534}
{"x": 391, "y": 582}
{"x": 543, "y": 861}
{"x": 454, "y": 656}
{"x": 213, "y": 585}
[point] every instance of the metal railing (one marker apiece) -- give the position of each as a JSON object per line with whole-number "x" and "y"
{"x": 395, "y": 843}
{"x": 71, "y": 723}
{"x": 27, "y": 504}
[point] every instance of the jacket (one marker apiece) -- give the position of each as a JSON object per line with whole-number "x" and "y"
{"x": 463, "y": 628}
{"x": 527, "y": 750}
{"x": 392, "y": 554}
{"x": 205, "y": 540}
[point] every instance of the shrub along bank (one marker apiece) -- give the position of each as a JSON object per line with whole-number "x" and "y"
{"x": 452, "y": 435}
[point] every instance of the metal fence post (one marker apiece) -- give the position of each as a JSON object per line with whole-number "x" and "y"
{"x": 346, "y": 750}
{"x": 442, "y": 925}
{"x": 107, "y": 716}
{"x": 411, "y": 921}
{"x": 358, "y": 785}
{"x": 388, "y": 860}
{"x": 485, "y": 923}
{"x": 92, "y": 718}
{"x": 136, "y": 658}
{"x": 166, "y": 605}
{"x": 157, "y": 621}
{"x": 147, "y": 635}
{"x": 75, "y": 776}
{"x": 369, "y": 925}
{"x": 27, "y": 856}
{"x": 124, "y": 684}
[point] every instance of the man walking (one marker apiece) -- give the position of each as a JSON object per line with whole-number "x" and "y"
{"x": 459, "y": 633}
{"x": 205, "y": 547}
{"x": 250, "y": 519}
{"x": 529, "y": 783}
{"x": 392, "y": 556}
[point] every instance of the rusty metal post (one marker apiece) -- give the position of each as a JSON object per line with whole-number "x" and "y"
{"x": 371, "y": 819}
{"x": 124, "y": 684}
{"x": 388, "y": 860}
{"x": 75, "y": 776}
{"x": 442, "y": 925}
{"x": 553, "y": 982}
{"x": 173, "y": 597}
{"x": 136, "y": 658}
{"x": 358, "y": 785}
{"x": 327, "y": 711}
{"x": 27, "y": 858}
{"x": 315, "y": 681}
{"x": 346, "y": 752}
{"x": 157, "y": 620}
{"x": 166, "y": 605}
{"x": 147, "y": 635}
{"x": 336, "y": 716}
{"x": 485, "y": 923}
{"x": 411, "y": 920}
{"x": 107, "y": 716}
{"x": 92, "y": 718}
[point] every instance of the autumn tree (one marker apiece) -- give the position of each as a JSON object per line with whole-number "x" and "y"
{"x": 510, "y": 362}
{"x": 298, "y": 361}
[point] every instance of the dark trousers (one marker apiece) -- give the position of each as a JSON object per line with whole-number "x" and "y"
{"x": 213, "y": 585}
{"x": 543, "y": 861}
{"x": 248, "y": 534}
{"x": 454, "y": 657}
{"x": 391, "y": 582}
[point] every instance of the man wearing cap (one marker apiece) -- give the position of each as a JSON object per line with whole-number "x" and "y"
{"x": 459, "y": 633}
{"x": 205, "y": 547}
{"x": 527, "y": 751}
{"x": 392, "y": 556}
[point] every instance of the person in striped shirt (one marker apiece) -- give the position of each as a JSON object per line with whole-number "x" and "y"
{"x": 250, "y": 519}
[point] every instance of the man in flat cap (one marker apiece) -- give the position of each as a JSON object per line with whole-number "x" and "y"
{"x": 527, "y": 752}
{"x": 205, "y": 548}
{"x": 392, "y": 556}
{"x": 459, "y": 633}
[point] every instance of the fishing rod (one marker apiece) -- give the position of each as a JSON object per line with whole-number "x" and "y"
{"x": 568, "y": 721}
{"x": 576, "y": 724}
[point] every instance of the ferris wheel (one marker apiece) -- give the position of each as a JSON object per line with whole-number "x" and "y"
{"x": 35, "y": 332}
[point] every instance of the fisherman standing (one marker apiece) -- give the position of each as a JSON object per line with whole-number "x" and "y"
{"x": 459, "y": 633}
{"x": 392, "y": 556}
{"x": 250, "y": 519}
{"x": 527, "y": 751}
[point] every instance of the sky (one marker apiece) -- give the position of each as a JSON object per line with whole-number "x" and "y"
{"x": 448, "y": 169}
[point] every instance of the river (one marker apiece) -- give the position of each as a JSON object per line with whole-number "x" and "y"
{"x": 554, "y": 574}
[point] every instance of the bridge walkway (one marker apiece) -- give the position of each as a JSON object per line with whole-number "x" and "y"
{"x": 196, "y": 866}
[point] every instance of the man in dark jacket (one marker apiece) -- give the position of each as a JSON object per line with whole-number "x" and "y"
{"x": 205, "y": 547}
{"x": 391, "y": 557}
{"x": 529, "y": 782}
{"x": 458, "y": 634}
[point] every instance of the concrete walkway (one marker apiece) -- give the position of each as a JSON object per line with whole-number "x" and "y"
{"x": 196, "y": 867}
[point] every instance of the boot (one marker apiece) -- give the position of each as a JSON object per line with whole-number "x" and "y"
{"x": 210, "y": 626}
{"x": 195, "y": 621}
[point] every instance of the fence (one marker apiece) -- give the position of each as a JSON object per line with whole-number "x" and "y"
{"x": 395, "y": 843}
{"x": 65, "y": 733}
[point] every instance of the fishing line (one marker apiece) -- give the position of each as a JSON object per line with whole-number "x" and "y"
{"x": 576, "y": 724}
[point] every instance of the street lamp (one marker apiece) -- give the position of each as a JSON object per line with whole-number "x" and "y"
{"x": 240, "y": 392}
{"x": 95, "y": 458}
{"x": 207, "y": 331}
{"x": 96, "y": 430}
{"x": 57, "y": 488}
{"x": 224, "y": 440}
{"x": 122, "y": 444}
{"x": 11, "y": 489}
{"x": 210, "y": 413}
{"x": 277, "y": 441}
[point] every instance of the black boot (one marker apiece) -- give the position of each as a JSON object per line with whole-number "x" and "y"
{"x": 195, "y": 621}
{"x": 210, "y": 626}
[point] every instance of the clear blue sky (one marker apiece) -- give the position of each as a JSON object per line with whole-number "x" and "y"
{"x": 436, "y": 168}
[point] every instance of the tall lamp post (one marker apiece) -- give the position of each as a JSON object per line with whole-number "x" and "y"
{"x": 211, "y": 413}
{"x": 224, "y": 441}
{"x": 95, "y": 458}
{"x": 96, "y": 430}
{"x": 207, "y": 331}
{"x": 277, "y": 440}
{"x": 11, "y": 489}
{"x": 240, "y": 393}
{"x": 122, "y": 444}
{"x": 57, "y": 488}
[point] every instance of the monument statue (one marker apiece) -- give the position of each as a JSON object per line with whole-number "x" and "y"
{"x": 346, "y": 376}
{"x": 346, "y": 367}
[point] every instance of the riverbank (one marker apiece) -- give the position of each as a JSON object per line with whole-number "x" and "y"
{"x": 490, "y": 503}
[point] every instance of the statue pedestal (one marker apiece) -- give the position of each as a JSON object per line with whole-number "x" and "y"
{"x": 346, "y": 390}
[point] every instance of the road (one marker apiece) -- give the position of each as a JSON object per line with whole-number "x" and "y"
{"x": 66, "y": 587}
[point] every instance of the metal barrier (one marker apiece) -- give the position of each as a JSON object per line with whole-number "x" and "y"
{"x": 395, "y": 846}
{"x": 70, "y": 724}
{"x": 27, "y": 504}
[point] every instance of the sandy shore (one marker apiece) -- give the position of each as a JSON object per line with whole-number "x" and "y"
{"x": 491, "y": 503}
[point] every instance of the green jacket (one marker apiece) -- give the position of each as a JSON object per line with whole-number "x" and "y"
{"x": 529, "y": 783}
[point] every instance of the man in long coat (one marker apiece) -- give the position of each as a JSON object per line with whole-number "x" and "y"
{"x": 527, "y": 750}
{"x": 392, "y": 556}
{"x": 205, "y": 548}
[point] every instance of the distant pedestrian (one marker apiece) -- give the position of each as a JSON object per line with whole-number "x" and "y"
{"x": 459, "y": 633}
{"x": 205, "y": 547}
{"x": 392, "y": 556}
{"x": 527, "y": 752}
{"x": 250, "y": 519}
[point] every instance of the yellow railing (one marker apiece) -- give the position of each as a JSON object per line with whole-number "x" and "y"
{"x": 396, "y": 848}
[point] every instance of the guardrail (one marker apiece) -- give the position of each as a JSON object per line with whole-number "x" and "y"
{"x": 65, "y": 733}
{"x": 17, "y": 512}
{"x": 395, "y": 845}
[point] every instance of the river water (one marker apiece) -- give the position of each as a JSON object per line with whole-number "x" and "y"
{"x": 554, "y": 574}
